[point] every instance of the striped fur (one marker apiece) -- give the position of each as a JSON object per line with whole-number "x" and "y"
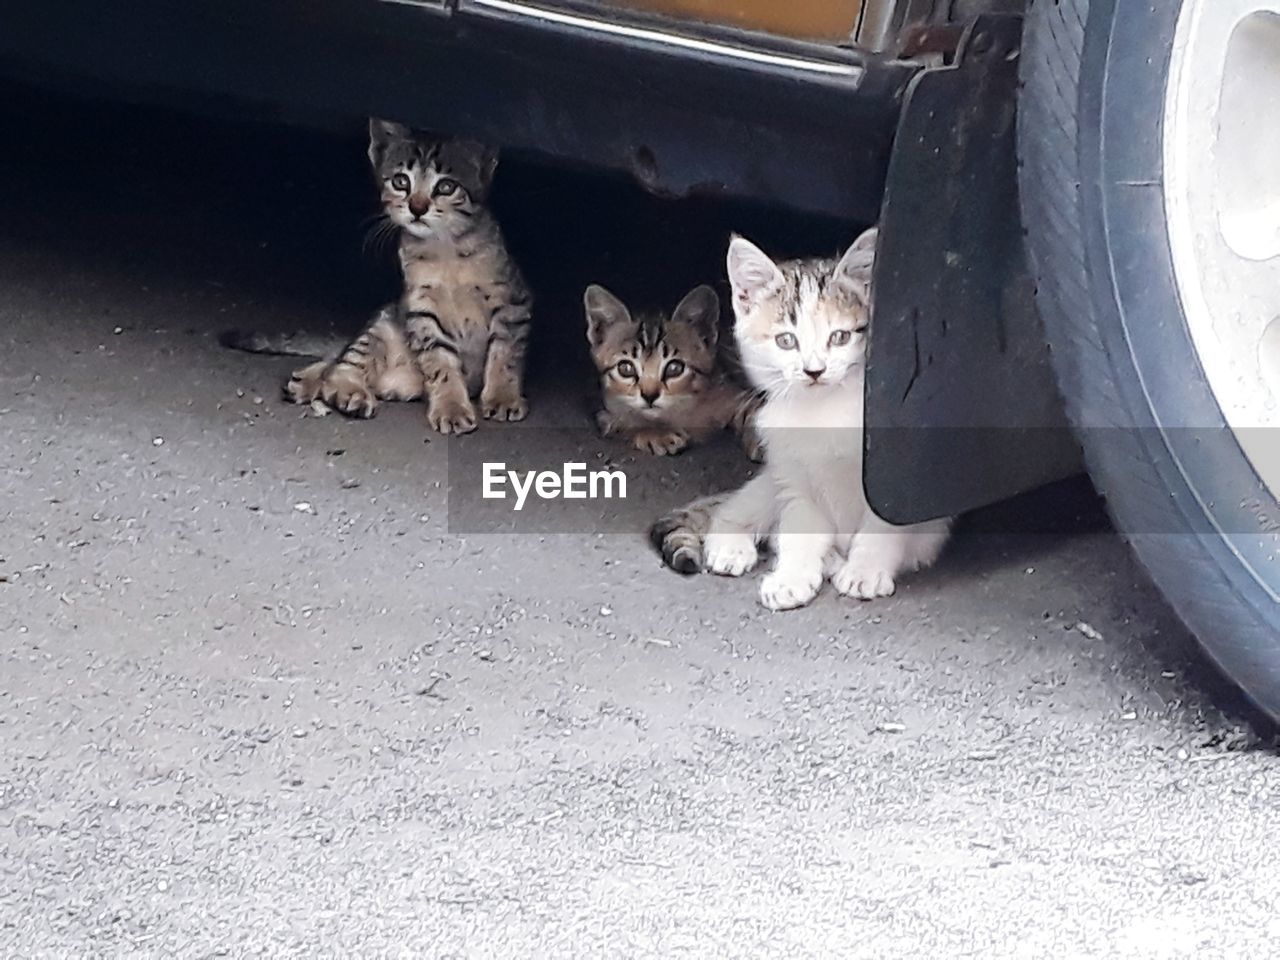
{"x": 662, "y": 383}
{"x": 377, "y": 365}
{"x": 467, "y": 313}
{"x": 679, "y": 535}
{"x": 461, "y": 328}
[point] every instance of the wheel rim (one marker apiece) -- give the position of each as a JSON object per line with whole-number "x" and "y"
{"x": 1222, "y": 198}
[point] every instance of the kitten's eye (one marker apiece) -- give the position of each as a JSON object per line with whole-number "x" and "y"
{"x": 400, "y": 181}
{"x": 673, "y": 369}
{"x": 626, "y": 369}
{"x": 445, "y": 187}
{"x": 787, "y": 341}
{"x": 839, "y": 338}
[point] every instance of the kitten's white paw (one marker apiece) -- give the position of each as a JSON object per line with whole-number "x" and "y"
{"x": 660, "y": 443}
{"x": 730, "y": 554}
{"x": 788, "y": 589}
{"x": 863, "y": 583}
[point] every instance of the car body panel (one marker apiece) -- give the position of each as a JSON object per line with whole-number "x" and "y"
{"x": 708, "y": 112}
{"x": 833, "y": 20}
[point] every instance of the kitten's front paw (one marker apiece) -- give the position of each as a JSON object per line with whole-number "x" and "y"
{"x": 353, "y": 401}
{"x": 301, "y": 391}
{"x": 788, "y": 589}
{"x": 304, "y": 385}
{"x": 605, "y": 423}
{"x": 730, "y": 554}
{"x": 504, "y": 406}
{"x": 863, "y": 583}
{"x": 660, "y": 443}
{"x": 452, "y": 416}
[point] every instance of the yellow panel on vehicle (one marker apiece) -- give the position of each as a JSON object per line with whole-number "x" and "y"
{"x": 806, "y": 19}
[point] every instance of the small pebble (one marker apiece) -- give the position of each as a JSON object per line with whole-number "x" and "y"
{"x": 157, "y": 442}
{"x": 1128, "y": 715}
{"x": 606, "y": 611}
{"x": 1087, "y": 631}
{"x": 304, "y": 506}
{"x": 890, "y": 726}
{"x": 162, "y": 885}
{"x": 299, "y": 732}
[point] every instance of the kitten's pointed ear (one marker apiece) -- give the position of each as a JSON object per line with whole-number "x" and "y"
{"x": 700, "y": 308}
{"x": 382, "y": 134}
{"x": 603, "y": 311}
{"x": 752, "y": 274}
{"x": 853, "y": 272}
{"x": 485, "y": 160}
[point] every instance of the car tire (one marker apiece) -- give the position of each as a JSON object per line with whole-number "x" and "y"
{"x": 1175, "y": 475}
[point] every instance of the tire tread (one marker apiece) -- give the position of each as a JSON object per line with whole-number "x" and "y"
{"x": 1090, "y": 375}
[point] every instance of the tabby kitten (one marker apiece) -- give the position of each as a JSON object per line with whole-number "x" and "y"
{"x": 801, "y": 328}
{"x": 661, "y": 382}
{"x": 462, "y": 326}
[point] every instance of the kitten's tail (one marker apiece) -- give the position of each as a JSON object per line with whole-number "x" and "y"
{"x": 298, "y": 343}
{"x": 679, "y": 535}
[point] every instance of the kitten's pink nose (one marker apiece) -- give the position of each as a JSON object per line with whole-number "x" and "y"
{"x": 815, "y": 375}
{"x": 419, "y": 205}
{"x": 649, "y": 397}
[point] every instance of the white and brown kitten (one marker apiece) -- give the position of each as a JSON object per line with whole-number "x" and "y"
{"x": 662, "y": 384}
{"x": 461, "y": 329}
{"x": 801, "y": 328}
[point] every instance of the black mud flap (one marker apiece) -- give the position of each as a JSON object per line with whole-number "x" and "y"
{"x": 962, "y": 407}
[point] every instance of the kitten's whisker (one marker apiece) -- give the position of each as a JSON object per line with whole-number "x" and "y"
{"x": 377, "y": 236}
{"x": 369, "y": 231}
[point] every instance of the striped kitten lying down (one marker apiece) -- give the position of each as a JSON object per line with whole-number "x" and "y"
{"x": 801, "y": 327}
{"x": 461, "y": 329}
{"x": 662, "y": 384}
